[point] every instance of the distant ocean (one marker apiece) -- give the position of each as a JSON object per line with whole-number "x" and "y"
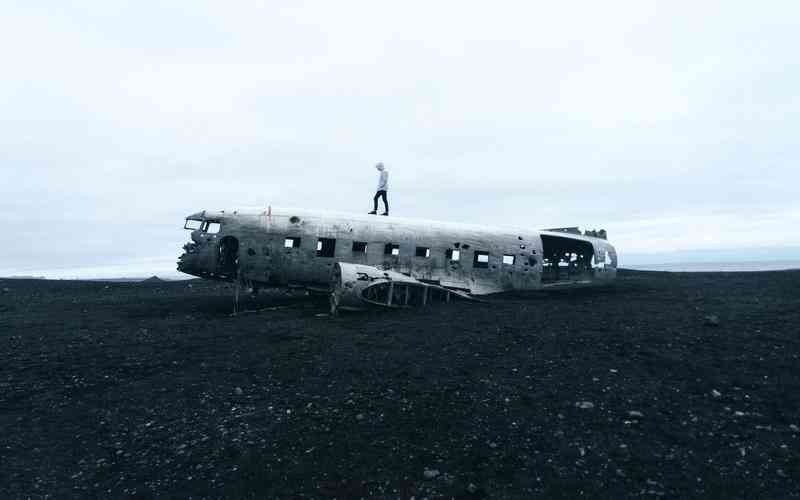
{"x": 704, "y": 267}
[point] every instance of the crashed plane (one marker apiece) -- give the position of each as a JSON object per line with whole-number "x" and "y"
{"x": 363, "y": 260}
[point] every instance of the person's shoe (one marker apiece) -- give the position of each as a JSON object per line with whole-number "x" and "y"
{"x": 385, "y": 213}
{"x": 373, "y": 212}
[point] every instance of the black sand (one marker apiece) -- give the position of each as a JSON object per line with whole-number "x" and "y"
{"x": 143, "y": 390}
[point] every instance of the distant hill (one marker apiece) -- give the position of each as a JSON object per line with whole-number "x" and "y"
{"x": 153, "y": 279}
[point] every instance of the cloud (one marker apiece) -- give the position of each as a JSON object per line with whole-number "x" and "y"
{"x": 672, "y": 125}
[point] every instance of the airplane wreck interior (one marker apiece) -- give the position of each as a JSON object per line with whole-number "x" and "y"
{"x": 565, "y": 259}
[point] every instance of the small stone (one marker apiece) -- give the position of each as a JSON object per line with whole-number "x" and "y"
{"x": 738, "y": 414}
{"x": 712, "y": 320}
{"x": 430, "y": 473}
{"x": 584, "y": 405}
{"x": 636, "y": 414}
{"x": 238, "y": 391}
{"x": 472, "y": 488}
{"x": 794, "y": 428}
{"x": 360, "y": 416}
{"x": 716, "y": 393}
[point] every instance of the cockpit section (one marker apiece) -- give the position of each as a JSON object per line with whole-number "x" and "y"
{"x": 202, "y": 224}
{"x": 207, "y": 255}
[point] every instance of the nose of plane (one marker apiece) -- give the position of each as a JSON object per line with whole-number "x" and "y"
{"x": 187, "y": 260}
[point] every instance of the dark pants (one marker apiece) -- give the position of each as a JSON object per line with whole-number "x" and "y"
{"x": 381, "y": 194}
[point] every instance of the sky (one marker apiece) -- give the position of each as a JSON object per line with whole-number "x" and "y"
{"x": 673, "y": 125}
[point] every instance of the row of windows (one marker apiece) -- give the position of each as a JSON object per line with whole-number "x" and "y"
{"x": 326, "y": 247}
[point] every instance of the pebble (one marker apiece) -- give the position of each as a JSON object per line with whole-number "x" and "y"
{"x": 585, "y": 405}
{"x": 430, "y": 473}
{"x": 360, "y": 416}
{"x": 472, "y": 488}
{"x": 238, "y": 391}
{"x": 716, "y": 393}
{"x": 712, "y": 320}
{"x": 794, "y": 428}
{"x": 634, "y": 413}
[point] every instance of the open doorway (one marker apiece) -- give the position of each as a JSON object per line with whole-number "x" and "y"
{"x": 565, "y": 259}
{"x": 228, "y": 258}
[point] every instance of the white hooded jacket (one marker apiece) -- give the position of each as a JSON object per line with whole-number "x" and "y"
{"x": 383, "y": 179}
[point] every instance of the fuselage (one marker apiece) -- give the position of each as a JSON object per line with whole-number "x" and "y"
{"x": 295, "y": 247}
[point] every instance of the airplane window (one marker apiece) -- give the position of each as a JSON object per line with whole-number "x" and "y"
{"x": 508, "y": 259}
{"x": 326, "y": 247}
{"x": 291, "y": 242}
{"x": 391, "y": 249}
{"x": 481, "y": 259}
{"x": 423, "y": 252}
{"x": 193, "y": 224}
{"x": 454, "y": 255}
{"x": 359, "y": 247}
{"x": 212, "y": 227}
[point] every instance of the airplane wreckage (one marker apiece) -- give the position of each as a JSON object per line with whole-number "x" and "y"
{"x": 365, "y": 261}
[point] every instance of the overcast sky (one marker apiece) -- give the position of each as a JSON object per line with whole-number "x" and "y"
{"x": 674, "y": 125}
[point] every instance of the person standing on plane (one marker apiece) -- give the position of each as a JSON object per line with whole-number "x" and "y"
{"x": 383, "y": 187}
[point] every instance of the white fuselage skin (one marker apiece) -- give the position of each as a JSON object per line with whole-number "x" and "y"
{"x": 283, "y": 247}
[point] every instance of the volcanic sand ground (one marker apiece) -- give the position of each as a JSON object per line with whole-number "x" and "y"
{"x": 142, "y": 390}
